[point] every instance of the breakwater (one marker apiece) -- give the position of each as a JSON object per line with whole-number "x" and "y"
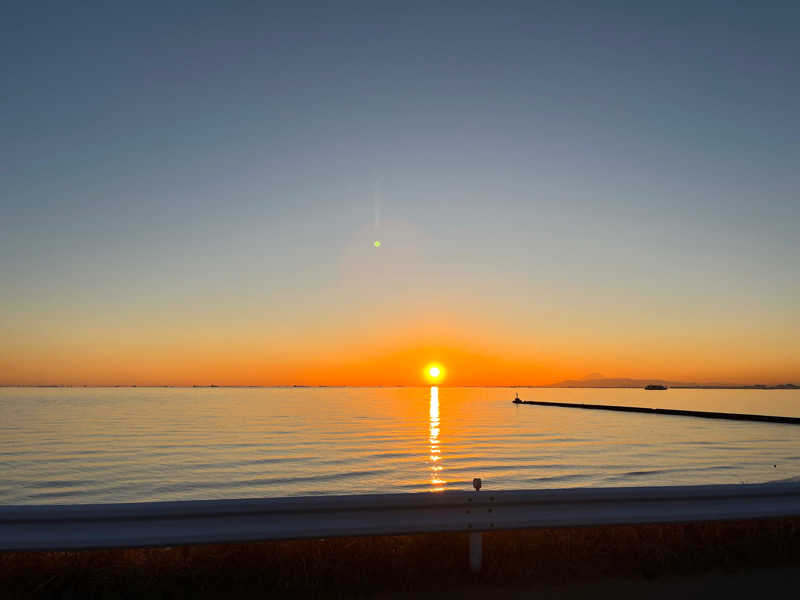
{"x": 668, "y": 411}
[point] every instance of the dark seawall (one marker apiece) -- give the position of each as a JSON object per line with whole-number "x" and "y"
{"x": 670, "y": 411}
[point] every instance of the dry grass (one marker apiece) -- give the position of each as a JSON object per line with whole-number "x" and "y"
{"x": 347, "y": 567}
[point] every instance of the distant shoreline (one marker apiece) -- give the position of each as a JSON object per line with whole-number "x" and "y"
{"x": 781, "y": 386}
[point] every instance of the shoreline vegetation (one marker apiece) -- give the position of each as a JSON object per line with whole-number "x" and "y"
{"x": 430, "y": 564}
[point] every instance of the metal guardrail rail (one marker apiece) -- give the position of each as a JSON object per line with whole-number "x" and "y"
{"x": 214, "y": 521}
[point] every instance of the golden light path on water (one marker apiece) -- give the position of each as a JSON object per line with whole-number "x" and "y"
{"x": 437, "y": 483}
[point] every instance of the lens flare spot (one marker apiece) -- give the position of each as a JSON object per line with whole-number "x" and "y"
{"x": 377, "y": 244}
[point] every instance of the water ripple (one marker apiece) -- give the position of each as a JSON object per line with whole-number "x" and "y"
{"x": 105, "y": 445}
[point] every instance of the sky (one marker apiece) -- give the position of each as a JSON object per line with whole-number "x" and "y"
{"x": 190, "y": 192}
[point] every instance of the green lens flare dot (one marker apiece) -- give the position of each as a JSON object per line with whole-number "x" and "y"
{"x": 377, "y": 244}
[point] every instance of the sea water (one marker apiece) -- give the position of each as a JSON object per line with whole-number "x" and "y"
{"x": 87, "y": 445}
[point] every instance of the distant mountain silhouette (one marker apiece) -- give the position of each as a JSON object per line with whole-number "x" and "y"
{"x": 627, "y": 382}
{"x": 592, "y": 376}
{"x": 602, "y": 382}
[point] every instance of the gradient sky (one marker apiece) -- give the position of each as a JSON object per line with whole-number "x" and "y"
{"x": 189, "y": 194}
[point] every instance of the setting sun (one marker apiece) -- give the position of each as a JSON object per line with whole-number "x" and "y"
{"x": 434, "y": 373}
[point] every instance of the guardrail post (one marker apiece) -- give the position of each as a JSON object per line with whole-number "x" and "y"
{"x": 475, "y": 539}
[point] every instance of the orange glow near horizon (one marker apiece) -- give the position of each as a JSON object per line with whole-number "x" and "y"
{"x": 380, "y": 350}
{"x": 365, "y": 364}
{"x": 380, "y": 322}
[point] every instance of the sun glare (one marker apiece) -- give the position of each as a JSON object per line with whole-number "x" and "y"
{"x": 434, "y": 373}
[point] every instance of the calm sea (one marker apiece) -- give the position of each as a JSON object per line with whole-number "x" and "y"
{"x": 138, "y": 444}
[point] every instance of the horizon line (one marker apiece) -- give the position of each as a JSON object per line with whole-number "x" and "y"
{"x": 679, "y": 385}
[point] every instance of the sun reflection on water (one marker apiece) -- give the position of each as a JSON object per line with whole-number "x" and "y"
{"x": 437, "y": 482}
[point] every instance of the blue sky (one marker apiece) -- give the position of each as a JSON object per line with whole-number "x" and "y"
{"x": 568, "y": 169}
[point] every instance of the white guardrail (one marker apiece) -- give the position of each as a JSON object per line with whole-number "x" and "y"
{"x": 73, "y": 527}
